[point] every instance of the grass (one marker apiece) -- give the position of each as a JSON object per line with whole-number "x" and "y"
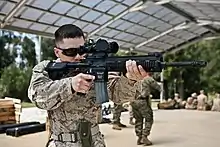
{"x": 27, "y": 105}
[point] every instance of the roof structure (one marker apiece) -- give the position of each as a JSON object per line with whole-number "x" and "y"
{"x": 138, "y": 25}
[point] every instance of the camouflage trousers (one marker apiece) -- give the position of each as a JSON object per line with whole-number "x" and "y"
{"x": 117, "y": 113}
{"x": 143, "y": 114}
{"x": 131, "y": 115}
{"x": 97, "y": 141}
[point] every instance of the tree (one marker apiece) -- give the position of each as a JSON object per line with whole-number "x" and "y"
{"x": 47, "y": 48}
{"x": 14, "y": 79}
{"x": 193, "y": 79}
{"x": 28, "y": 54}
{"x": 8, "y": 44}
{"x": 14, "y": 82}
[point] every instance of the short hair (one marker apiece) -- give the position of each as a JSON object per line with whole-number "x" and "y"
{"x": 68, "y": 31}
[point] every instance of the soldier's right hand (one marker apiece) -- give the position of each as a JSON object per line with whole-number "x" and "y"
{"x": 82, "y": 82}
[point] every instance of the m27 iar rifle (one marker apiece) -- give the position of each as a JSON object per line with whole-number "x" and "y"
{"x": 99, "y": 62}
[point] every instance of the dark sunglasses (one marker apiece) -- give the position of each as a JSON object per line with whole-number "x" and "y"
{"x": 71, "y": 52}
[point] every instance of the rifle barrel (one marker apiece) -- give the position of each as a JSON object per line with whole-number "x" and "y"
{"x": 184, "y": 64}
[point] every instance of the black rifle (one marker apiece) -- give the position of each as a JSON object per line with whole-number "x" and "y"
{"x": 99, "y": 63}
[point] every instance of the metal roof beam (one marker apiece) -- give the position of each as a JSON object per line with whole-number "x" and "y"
{"x": 117, "y": 17}
{"x": 186, "y": 44}
{"x": 198, "y": 1}
{"x": 12, "y": 13}
{"x": 178, "y": 27}
{"x": 188, "y": 16}
{"x": 208, "y": 22}
{"x": 18, "y": 29}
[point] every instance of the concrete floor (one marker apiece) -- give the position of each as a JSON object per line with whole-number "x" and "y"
{"x": 172, "y": 128}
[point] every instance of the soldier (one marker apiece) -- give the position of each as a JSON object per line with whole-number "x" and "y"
{"x": 191, "y": 103}
{"x": 117, "y": 110}
{"x": 216, "y": 103}
{"x": 202, "y": 101}
{"x": 70, "y": 101}
{"x": 194, "y": 95}
{"x": 142, "y": 110}
{"x": 131, "y": 115}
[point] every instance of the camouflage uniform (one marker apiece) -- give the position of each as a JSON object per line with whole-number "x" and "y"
{"x": 117, "y": 110}
{"x": 131, "y": 115}
{"x": 142, "y": 110}
{"x": 67, "y": 108}
{"x": 202, "y": 101}
{"x": 191, "y": 103}
{"x": 216, "y": 103}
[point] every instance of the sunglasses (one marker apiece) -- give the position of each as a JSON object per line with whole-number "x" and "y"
{"x": 71, "y": 52}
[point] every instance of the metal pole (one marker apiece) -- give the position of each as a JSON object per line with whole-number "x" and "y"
{"x": 39, "y": 43}
{"x": 162, "y": 86}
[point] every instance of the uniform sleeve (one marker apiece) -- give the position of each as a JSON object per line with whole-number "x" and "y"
{"x": 46, "y": 93}
{"x": 121, "y": 89}
{"x": 148, "y": 84}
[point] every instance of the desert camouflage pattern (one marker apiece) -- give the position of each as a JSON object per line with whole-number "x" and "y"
{"x": 191, "y": 103}
{"x": 202, "y": 101}
{"x": 216, "y": 104}
{"x": 146, "y": 87}
{"x": 122, "y": 90}
{"x": 66, "y": 108}
{"x": 131, "y": 114}
{"x": 141, "y": 108}
{"x": 98, "y": 141}
{"x": 117, "y": 110}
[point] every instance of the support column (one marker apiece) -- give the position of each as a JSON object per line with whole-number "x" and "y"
{"x": 162, "y": 86}
{"x": 39, "y": 51}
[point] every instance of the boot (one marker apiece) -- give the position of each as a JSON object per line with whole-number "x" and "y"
{"x": 146, "y": 141}
{"x": 116, "y": 127}
{"x": 121, "y": 125}
{"x": 131, "y": 121}
{"x": 139, "y": 141}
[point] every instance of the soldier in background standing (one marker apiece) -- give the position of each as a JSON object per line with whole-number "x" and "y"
{"x": 131, "y": 115}
{"x": 142, "y": 110}
{"x": 202, "y": 101}
{"x": 117, "y": 110}
{"x": 216, "y": 103}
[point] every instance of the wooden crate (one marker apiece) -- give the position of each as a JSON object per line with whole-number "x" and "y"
{"x": 17, "y": 106}
{"x": 7, "y": 112}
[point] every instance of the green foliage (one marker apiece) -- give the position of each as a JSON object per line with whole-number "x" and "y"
{"x": 47, "y": 47}
{"x": 14, "y": 79}
{"x": 14, "y": 82}
{"x": 6, "y": 58}
{"x": 28, "y": 52}
{"x": 194, "y": 79}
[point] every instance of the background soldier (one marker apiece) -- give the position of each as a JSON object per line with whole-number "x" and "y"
{"x": 216, "y": 103}
{"x": 70, "y": 100}
{"x": 202, "y": 101}
{"x": 117, "y": 110}
{"x": 131, "y": 115}
{"x": 142, "y": 110}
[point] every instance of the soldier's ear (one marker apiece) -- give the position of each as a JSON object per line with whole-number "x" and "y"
{"x": 56, "y": 52}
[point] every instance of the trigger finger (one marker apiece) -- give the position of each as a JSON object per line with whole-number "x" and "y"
{"x": 129, "y": 66}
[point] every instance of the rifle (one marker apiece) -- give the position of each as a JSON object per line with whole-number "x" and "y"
{"x": 99, "y": 62}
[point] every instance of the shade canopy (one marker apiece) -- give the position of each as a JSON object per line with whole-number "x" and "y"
{"x": 138, "y": 25}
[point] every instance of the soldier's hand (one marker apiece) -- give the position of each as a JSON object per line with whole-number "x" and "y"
{"x": 82, "y": 82}
{"x": 135, "y": 72}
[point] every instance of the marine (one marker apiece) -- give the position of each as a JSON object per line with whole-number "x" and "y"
{"x": 70, "y": 99}
{"x": 142, "y": 110}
